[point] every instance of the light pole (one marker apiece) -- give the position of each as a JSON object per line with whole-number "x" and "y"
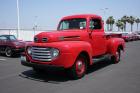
{"x": 104, "y": 12}
{"x": 104, "y": 17}
{"x": 18, "y": 27}
{"x": 35, "y": 24}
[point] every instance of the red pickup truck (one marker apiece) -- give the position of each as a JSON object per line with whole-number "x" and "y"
{"x": 10, "y": 46}
{"x": 79, "y": 42}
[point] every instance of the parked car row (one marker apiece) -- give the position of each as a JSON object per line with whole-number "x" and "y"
{"x": 130, "y": 36}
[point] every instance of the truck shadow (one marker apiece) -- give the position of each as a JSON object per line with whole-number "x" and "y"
{"x": 57, "y": 77}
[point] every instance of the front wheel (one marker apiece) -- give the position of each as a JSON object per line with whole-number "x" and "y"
{"x": 8, "y": 52}
{"x": 78, "y": 70}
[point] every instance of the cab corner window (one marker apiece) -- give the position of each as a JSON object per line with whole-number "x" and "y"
{"x": 95, "y": 24}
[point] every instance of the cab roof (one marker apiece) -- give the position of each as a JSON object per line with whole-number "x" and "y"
{"x": 82, "y": 16}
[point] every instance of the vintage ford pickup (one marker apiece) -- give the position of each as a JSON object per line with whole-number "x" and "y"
{"x": 80, "y": 41}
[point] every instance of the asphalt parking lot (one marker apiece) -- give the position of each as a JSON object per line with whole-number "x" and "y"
{"x": 123, "y": 77}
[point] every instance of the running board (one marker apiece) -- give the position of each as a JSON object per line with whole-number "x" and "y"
{"x": 100, "y": 58}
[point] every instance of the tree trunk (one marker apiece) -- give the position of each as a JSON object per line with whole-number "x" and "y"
{"x": 110, "y": 27}
{"x": 131, "y": 27}
{"x": 107, "y": 27}
{"x": 124, "y": 27}
{"x": 137, "y": 26}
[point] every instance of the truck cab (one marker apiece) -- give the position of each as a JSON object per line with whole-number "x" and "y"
{"x": 92, "y": 25}
{"x": 78, "y": 42}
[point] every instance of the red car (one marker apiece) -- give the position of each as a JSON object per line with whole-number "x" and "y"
{"x": 79, "y": 42}
{"x": 126, "y": 37}
{"x": 10, "y": 46}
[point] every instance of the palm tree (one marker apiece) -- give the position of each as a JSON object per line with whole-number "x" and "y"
{"x": 120, "y": 25}
{"x": 131, "y": 20}
{"x": 124, "y": 19}
{"x": 110, "y": 21}
{"x": 137, "y": 22}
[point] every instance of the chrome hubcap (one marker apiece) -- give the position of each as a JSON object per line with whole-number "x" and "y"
{"x": 79, "y": 64}
{"x": 80, "y": 67}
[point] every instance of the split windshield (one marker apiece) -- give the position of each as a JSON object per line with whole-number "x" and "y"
{"x": 76, "y": 23}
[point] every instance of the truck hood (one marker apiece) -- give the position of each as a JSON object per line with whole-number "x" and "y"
{"x": 55, "y": 36}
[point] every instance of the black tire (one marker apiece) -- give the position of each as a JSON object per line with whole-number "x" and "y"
{"x": 116, "y": 59}
{"x": 8, "y": 52}
{"x": 78, "y": 70}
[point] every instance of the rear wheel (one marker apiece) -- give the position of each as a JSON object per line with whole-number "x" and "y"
{"x": 116, "y": 58}
{"x": 8, "y": 52}
{"x": 78, "y": 70}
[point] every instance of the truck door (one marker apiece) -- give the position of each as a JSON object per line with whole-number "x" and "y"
{"x": 98, "y": 39}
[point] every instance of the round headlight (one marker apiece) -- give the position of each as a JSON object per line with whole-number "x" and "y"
{"x": 55, "y": 52}
{"x": 29, "y": 50}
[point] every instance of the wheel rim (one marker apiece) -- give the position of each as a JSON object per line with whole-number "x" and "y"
{"x": 80, "y": 67}
{"x": 8, "y": 52}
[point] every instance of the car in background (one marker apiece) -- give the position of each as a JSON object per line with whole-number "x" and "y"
{"x": 136, "y": 36}
{"x": 126, "y": 37}
{"x": 9, "y": 45}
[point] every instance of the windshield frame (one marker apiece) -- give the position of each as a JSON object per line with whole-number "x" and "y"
{"x": 85, "y": 27}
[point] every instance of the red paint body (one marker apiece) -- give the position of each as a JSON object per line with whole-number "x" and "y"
{"x": 72, "y": 42}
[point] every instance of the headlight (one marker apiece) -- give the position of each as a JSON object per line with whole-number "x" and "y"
{"x": 29, "y": 50}
{"x": 55, "y": 52}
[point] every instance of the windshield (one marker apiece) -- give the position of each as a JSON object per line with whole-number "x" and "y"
{"x": 76, "y": 23}
{"x": 11, "y": 37}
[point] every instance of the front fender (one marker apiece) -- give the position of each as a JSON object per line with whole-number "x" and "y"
{"x": 75, "y": 48}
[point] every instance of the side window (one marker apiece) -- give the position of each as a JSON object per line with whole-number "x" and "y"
{"x": 3, "y": 38}
{"x": 95, "y": 24}
{"x": 64, "y": 25}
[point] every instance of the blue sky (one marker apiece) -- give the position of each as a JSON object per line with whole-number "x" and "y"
{"x": 47, "y": 13}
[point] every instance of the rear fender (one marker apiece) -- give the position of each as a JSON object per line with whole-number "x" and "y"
{"x": 114, "y": 44}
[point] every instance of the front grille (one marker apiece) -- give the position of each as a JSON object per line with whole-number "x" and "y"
{"x": 41, "y": 54}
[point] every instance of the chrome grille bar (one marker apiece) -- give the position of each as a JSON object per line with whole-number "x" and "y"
{"x": 41, "y": 54}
